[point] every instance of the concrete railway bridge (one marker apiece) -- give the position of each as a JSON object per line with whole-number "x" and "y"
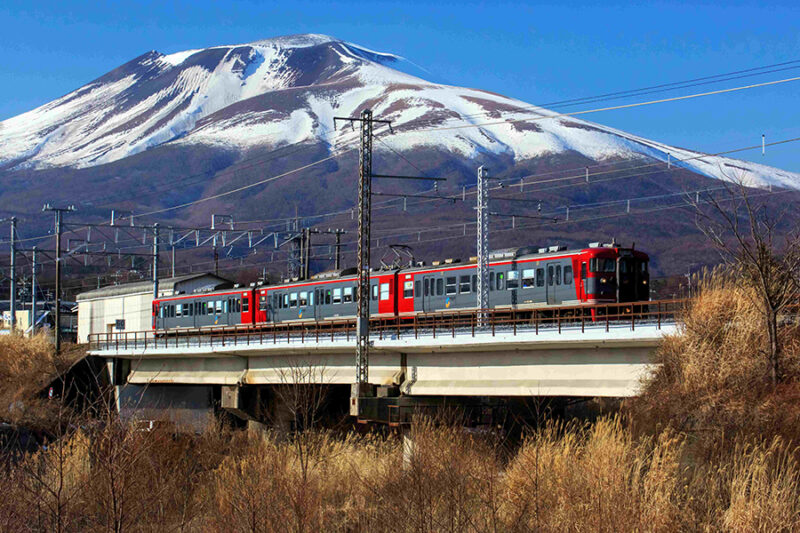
{"x": 482, "y": 362}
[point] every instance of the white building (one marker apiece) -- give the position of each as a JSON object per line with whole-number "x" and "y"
{"x": 128, "y": 307}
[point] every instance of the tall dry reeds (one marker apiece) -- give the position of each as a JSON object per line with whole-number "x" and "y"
{"x": 711, "y": 378}
{"x": 26, "y": 365}
{"x": 709, "y": 446}
{"x": 565, "y": 477}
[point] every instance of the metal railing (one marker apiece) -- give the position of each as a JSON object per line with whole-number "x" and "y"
{"x": 435, "y": 325}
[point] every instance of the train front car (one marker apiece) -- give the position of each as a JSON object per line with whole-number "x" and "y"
{"x": 610, "y": 273}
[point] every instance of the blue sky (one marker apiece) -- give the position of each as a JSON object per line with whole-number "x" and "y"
{"x": 538, "y": 53}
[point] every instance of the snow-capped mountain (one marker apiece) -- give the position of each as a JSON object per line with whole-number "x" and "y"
{"x": 287, "y": 90}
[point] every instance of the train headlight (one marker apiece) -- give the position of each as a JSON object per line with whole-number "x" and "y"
{"x": 602, "y": 280}
{"x": 644, "y": 282}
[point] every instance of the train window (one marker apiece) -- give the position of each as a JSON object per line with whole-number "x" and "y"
{"x": 374, "y": 293}
{"x": 179, "y": 310}
{"x": 540, "y": 277}
{"x": 491, "y": 281}
{"x": 408, "y": 289}
{"x": 474, "y": 283}
{"x": 207, "y": 309}
{"x": 347, "y": 294}
{"x": 501, "y": 281}
{"x": 328, "y": 297}
{"x": 384, "y": 292}
{"x": 304, "y": 298}
{"x": 583, "y": 270}
{"x": 451, "y": 287}
{"x": 463, "y": 284}
{"x": 262, "y": 302}
{"x": 285, "y": 300}
{"x": 293, "y": 299}
{"x": 218, "y": 306}
{"x": 439, "y": 287}
{"x": 550, "y": 275}
{"x": 643, "y": 267}
{"x": 337, "y": 296}
{"x": 558, "y": 275}
{"x": 426, "y": 287}
{"x": 417, "y": 288}
{"x": 311, "y": 298}
{"x": 528, "y": 278}
{"x": 512, "y": 282}
{"x": 567, "y": 275}
{"x": 245, "y": 304}
{"x": 602, "y": 265}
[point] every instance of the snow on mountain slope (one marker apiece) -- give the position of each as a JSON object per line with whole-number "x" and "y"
{"x": 288, "y": 89}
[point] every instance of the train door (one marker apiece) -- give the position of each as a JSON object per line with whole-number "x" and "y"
{"x": 583, "y": 277}
{"x": 550, "y": 286}
{"x": 405, "y": 294}
{"x": 428, "y": 292}
{"x": 387, "y": 301}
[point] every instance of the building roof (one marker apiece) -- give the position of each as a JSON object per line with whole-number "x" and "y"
{"x": 143, "y": 287}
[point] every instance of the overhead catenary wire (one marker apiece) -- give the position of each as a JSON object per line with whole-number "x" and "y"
{"x": 267, "y": 180}
{"x": 636, "y": 104}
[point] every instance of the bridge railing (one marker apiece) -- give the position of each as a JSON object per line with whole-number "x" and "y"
{"x": 456, "y": 323}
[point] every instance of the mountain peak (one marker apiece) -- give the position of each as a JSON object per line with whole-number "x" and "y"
{"x": 287, "y": 89}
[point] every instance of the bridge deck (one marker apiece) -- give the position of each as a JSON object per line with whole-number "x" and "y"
{"x": 519, "y": 354}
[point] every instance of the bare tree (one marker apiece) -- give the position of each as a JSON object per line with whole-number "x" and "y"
{"x": 757, "y": 242}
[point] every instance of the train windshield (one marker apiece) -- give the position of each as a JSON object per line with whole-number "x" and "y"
{"x": 600, "y": 264}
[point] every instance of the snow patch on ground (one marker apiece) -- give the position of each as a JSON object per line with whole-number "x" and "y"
{"x": 179, "y": 57}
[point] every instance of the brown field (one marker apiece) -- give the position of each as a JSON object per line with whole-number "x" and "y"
{"x": 709, "y": 446}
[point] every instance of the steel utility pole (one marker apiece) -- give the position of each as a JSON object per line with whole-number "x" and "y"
{"x": 214, "y": 218}
{"x": 483, "y": 244}
{"x": 59, "y": 211}
{"x": 362, "y": 388}
{"x": 12, "y": 297}
{"x": 338, "y": 261}
{"x": 33, "y": 293}
{"x": 155, "y": 261}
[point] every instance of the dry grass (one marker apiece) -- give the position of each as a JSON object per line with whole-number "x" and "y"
{"x": 566, "y": 477}
{"x": 27, "y": 365}
{"x": 708, "y": 447}
{"x": 712, "y": 378}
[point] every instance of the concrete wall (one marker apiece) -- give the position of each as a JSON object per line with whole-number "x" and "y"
{"x": 99, "y": 315}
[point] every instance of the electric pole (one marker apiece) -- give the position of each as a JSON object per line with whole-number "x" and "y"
{"x": 12, "y": 297}
{"x": 483, "y": 244}
{"x": 338, "y": 261}
{"x": 59, "y": 211}
{"x": 362, "y": 388}
{"x": 155, "y": 260}
{"x": 33, "y": 293}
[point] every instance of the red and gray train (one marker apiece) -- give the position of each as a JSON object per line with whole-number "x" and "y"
{"x": 520, "y": 278}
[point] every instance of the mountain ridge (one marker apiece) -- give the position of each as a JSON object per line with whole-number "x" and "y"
{"x": 286, "y": 90}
